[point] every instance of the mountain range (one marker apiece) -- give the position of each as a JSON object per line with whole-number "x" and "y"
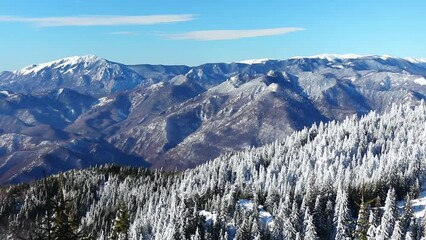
{"x": 83, "y": 111}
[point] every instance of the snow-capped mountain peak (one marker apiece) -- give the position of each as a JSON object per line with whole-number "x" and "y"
{"x": 86, "y": 74}
{"x": 64, "y": 63}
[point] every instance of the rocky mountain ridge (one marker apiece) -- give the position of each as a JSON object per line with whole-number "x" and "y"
{"x": 181, "y": 116}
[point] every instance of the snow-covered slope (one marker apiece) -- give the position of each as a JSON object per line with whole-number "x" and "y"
{"x": 66, "y": 64}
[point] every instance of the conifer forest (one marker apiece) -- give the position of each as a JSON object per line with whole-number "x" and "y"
{"x": 361, "y": 178}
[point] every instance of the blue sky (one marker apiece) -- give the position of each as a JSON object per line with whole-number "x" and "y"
{"x": 192, "y": 32}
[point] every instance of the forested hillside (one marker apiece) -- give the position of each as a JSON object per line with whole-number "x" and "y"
{"x": 329, "y": 181}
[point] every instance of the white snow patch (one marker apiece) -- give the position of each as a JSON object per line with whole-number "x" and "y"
{"x": 337, "y": 66}
{"x": 385, "y": 57}
{"x": 210, "y": 217}
{"x": 271, "y": 73}
{"x": 8, "y": 94}
{"x": 71, "y": 70}
{"x": 264, "y": 216}
{"x": 419, "y": 205}
{"x": 255, "y": 61}
{"x": 246, "y": 204}
{"x": 179, "y": 80}
{"x": 252, "y": 88}
{"x": 104, "y": 101}
{"x": 200, "y": 73}
{"x": 156, "y": 86}
{"x": 420, "y": 81}
{"x": 273, "y": 87}
{"x": 353, "y": 79}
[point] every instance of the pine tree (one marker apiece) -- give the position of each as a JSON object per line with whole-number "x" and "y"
{"x": 272, "y": 200}
{"x": 397, "y": 231}
{"x": 44, "y": 221}
{"x": 415, "y": 188}
{"x": 12, "y": 231}
{"x": 65, "y": 220}
{"x": 408, "y": 213}
{"x": 389, "y": 216}
{"x": 372, "y": 230}
{"x": 343, "y": 218}
{"x": 255, "y": 229}
{"x": 277, "y": 229}
{"x": 329, "y": 213}
{"x": 120, "y": 226}
{"x": 59, "y": 220}
{"x": 415, "y": 230}
{"x": 179, "y": 229}
{"x": 289, "y": 232}
{"x": 295, "y": 217}
{"x": 309, "y": 229}
{"x": 244, "y": 230}
{"x": 362, "y": 223}
{"x": 409, "y": 236}
{"x": 318, "y": 214}
{"x": 196, "y": 236}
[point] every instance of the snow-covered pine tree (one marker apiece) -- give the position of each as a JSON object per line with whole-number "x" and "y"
{"x": 120, "y": 226}
{"x": 310, "y": 232}
{"x": 408, "y": 213}
{"x": 289, "y": 231}
{"x": 362, "y": 223}
{"x": 244, "y": 231}
{"x": 372, "y": 229}
{"x": 397, "y": 233}
{"x": 319, "y": 215}
{"x": 390, "y": 215}
{"x": 343, "y": 217}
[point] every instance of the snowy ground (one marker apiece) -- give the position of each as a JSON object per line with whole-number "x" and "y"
{"x": 264, "y": 216}
{"x": 419, "y": 205}
{"x": 243, "y": 204}
{"x": 210, "y": 217}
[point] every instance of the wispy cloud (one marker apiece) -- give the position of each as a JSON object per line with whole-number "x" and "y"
{"x": 212, "y": 35}
{"x": 99, "y": 20}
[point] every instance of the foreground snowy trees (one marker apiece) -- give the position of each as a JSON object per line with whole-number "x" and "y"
{"x": 330, "y": 181}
